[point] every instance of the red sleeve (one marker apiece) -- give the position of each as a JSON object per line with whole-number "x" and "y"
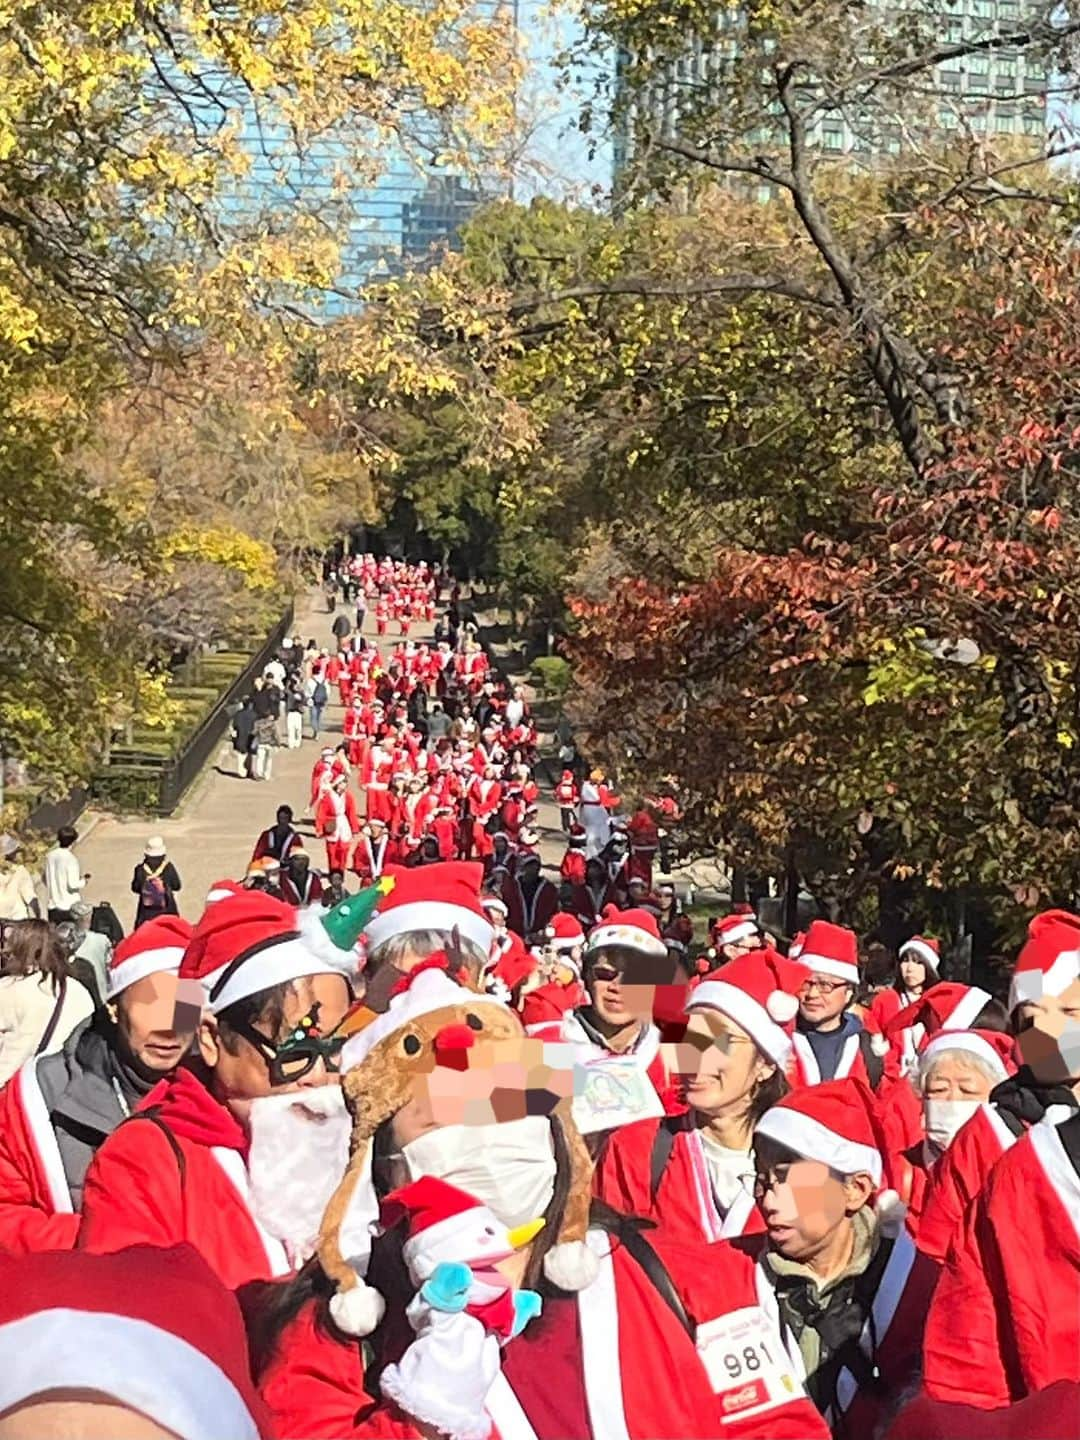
{"x": 132, "y": 1194}
{"x": 962, "y": 1357}
{"x": 27, "y": 1220}
{"x": 261, "y": 848}
{"x": 955, "y": 1180}
{"x": 621, "y": 1176}
{"x": 314, "y": 1388}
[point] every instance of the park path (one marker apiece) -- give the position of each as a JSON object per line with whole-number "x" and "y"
{"x": 212, "y": 834}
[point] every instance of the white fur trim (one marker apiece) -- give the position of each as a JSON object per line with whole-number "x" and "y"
{"x": 601, "y": 1354}
{"x": 823, "y": 965}
{"x": 922, "y": 951}
{"x": 357, "y": 1311}
{"x": 629, "y": 936}
{"x": 428, "y": 915}
{"x": 741, "y": 1007}
{"x": 732, "y": 934}
{"x": 232, "y": 1163}
{"x": 781, "y": 1006}
{"x": 171, "y": 1382}
{"x": 431, "y": 990}
{"x": 571, "y": 1265}
{"x": 44, "y": 1137}
{"x": 1057, "y": 1167}
{"x": 432, "y": 1409}
{"x": 149, "y": 962}
{"x": 879, "y": 1046}
{"x": 1032, "y": 984}
{"x": 288, "y": 960}
{"x": 814, "y": 1141}
{"x": 891, "y": 1213}
{"x": 967, "y": 1041}
{"x": 966, "y": 1011}
{"x": 314, "y": 935}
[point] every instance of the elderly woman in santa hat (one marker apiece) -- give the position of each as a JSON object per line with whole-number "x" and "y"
{"x": 627, "y": 1340}
{"x": 693, "y": 1172}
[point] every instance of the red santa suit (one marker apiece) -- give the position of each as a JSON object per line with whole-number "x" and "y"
{"x": 179, "y": 1178}
{"x": 336, "y": 820}
{"x": 960, "y": 1175}
{"x": 371, "y": 857}
{"x": 684, "y": 1199}
{"x": 36, "y": 1209}
{"x": 320, "y": 773}
{"x": 644, "y": 843}
{"x": 566, "y": 794}
{"x": 611, "y": 1363}
{"x": 529, "y": 915}
{"x": 444, "y": 828}
{"x": 572, "y": 869}
{"x": 1005, "y": 1319}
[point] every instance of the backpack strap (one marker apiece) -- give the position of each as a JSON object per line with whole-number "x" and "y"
{"x": 662, "y": 1146}
{"x": 54, "y": 1018}
{"x": 643, "y": 1255}
{"x": 174, "y": 1144}
{"x": 875, "y": 1064}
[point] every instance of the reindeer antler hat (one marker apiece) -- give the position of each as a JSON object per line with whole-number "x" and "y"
{"x": 380, "y": 1066}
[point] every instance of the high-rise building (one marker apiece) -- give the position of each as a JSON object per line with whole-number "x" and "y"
{"x": 997, "y": 90}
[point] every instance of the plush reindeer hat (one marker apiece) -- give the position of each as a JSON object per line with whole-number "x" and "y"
{"x": 430, "y": 1020}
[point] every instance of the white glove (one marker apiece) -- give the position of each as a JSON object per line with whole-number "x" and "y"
{"x": 444, "y": 1376}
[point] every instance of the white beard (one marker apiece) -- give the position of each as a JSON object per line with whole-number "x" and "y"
{"x": 299, "y": 1151}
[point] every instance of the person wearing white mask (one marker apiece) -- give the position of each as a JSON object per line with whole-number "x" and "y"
{"x": 955, "y": 1073}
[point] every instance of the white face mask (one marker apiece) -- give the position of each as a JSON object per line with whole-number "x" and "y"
{"x": 943, "y": 1118}
{"x": 508, "y": 1167}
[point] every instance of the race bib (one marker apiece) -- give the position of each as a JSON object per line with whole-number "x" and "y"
{"x": 610, "y": 1093}
{"x": 747, "y": 1363}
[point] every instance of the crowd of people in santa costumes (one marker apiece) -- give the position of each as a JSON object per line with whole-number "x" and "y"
{"x": 477, "y": 1152}
{"x": 470, "y": 1182}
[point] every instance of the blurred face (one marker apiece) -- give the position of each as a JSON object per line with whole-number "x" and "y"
{"x": 1050, "y": 1044}
{"x": 741, "y": 947}
{"x": 804, "y": 1205}
{"x": 242, "y": 1074}
{"x": 147, "y": 1017}
{"x": 912, "y": 974}
{"x": 622, "y": 984}
{"x": 719, "y": 1064}
{"x": 823, "y": 998}
{"x": 954, "y": 1077}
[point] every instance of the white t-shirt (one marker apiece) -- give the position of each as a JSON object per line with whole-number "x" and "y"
{"x": 729, "y": 1170}
{"x": 63, "y": 878}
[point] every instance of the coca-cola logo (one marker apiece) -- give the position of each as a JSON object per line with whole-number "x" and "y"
{"x": 733, "y": 1401}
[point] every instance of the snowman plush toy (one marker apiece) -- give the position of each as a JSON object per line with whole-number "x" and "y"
{"x": 464, "y": 1310}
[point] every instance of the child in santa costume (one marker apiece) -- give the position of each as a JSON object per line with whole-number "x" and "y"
{"x": 224, "y": 1159}
{"x": 147, "y": 1343}
{"x": 630, "y": 1340}
{"x": 1047, "y": 981}
{"x": 830, "y": 1042}
{"x": 57, "y": 1110}
{"x": 1005, "y": 1319}
{"x": 692, "y": 1173}
{"x": 337, "y": 821}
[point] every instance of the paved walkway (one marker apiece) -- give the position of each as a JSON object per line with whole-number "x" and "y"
{"x": 212, "y": 835}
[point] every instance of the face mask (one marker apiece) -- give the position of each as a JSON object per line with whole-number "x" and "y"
{"x": 943, "y": 1118}
{"x": 508, "y": 1167}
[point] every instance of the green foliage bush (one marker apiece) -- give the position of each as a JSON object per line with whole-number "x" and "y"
{"x": 551, "y": 675}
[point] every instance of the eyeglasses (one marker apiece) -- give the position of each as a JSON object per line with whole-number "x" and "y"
{"x": 298, "y": 1054}
{"x": 822, "y": 987}
{"x": 605, "y": 972}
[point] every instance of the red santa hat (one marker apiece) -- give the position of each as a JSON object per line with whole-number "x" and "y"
{"x": 735, "y": 927}
{"x": 924, "y": 948}
{"x": 444, "y": 897}
{"x": 995, "y": 1050}
{"x": 156, "y": 946}
{"x": 830, "y": 1122}
{"x": 759, "y": 991}
{"x": 511, "y": 968}
{"x": 565, "y": 932}
{"x": 493, "y": 902}
{"x": 222, "y": 889}
{"x": 795, "y": 949}
{"x": 152, "y": 1330}
{"x": 632, "y": 929}
{"x": 252, "y": 941}
{"x": 831, "y": 950}
{"x": 947, "y": 1005}
{"x": 1050, "y": 960}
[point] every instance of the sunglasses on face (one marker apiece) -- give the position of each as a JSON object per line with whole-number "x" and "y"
{"x": 298, "y": 1054}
